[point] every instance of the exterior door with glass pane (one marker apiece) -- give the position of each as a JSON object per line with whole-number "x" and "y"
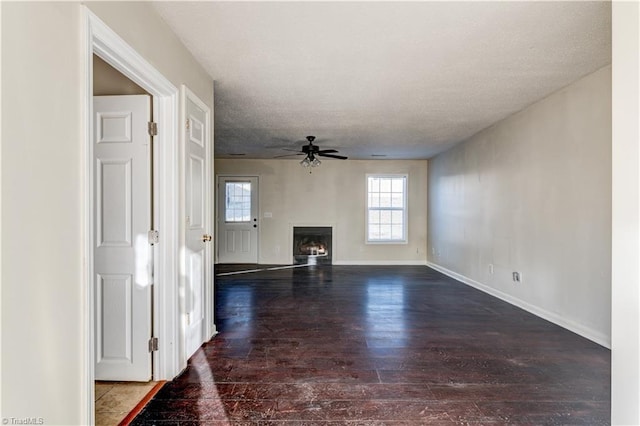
{"x": 238, "y": 219}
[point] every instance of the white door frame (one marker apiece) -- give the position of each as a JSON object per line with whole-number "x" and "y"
{"x": 105, "y": 43}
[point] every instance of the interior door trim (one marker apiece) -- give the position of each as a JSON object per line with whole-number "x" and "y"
{"x": 101, "y": 40}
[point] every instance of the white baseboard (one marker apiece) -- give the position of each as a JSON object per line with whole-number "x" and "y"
{"x": 586, "y": 332}
{"x": 381, "y": 262}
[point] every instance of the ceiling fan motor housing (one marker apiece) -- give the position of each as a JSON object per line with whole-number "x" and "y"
{"x": 310, "y": 149}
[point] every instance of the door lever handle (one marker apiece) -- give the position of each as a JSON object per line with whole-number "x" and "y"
{"x": 206, "y": 238}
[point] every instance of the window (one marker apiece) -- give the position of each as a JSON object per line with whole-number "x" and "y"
{"x": 238, "y": 202}
{"x": 386, "y": 208}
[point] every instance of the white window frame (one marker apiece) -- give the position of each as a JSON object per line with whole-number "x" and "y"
{"x": 405, "y": 208}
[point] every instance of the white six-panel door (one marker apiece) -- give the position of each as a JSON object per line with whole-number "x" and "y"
{"x": 238, "y": 219}
{"x": 122, "y": 255}
{"x": 198, "y": 281}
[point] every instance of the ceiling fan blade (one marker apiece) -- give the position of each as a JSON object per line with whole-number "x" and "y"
{"x": 339, "y": 157}
{"x": 294, "y": 150}
{"x": 326, "y": 151}
{"x": 288, "y": 155}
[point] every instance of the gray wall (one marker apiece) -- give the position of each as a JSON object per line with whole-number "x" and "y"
{"x": 109, "y": 81}
{"x": 532, "y": 194}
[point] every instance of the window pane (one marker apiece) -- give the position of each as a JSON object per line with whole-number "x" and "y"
{"x": 385, "y": 232}
{"x": 397, "y": 217}
{"x": 397, "y": 185}
{"x": 374, "y": 200}
{"x": 385, "y": 185}
{"x": 374, "y": 184}
{"x": 397, "y": 200}
{"x": 238, "y": 201}
{"x": 397, "y": 232}
{"x": 385, "y": 216}
{"x": 374, "y": 216}
{"x": 385, "y": 199}
{"x": 374, "y": 232}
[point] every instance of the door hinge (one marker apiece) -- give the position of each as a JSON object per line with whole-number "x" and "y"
{"x": 188, "y": 124}
{"x": 153, "y": 344}
{"x": 154, "y": 237}
{"x": 153, "y": 128}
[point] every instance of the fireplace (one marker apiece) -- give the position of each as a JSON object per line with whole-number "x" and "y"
{"x": 312, "y": 244}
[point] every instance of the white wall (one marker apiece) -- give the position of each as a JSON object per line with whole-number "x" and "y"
{"x": 141, "y": 27}
{"x": 532, "y": 194}
{"x": 625, "y": 359}
{"x": 43, "y": 287}
{"x": 42, "y": 295}
{"x": 334, "y": 194}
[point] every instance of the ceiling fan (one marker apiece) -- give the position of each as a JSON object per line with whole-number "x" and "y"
{"x": 311, "y": 152}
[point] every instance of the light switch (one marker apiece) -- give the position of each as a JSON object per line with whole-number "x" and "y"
{"x": 268, "y": 214}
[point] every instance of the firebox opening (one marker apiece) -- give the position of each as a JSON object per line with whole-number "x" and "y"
{"x": 312, "y": 244}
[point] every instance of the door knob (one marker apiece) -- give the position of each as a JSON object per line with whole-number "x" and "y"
{"x": 206, "y": 237}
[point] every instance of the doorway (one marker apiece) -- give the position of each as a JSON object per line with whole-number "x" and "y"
{"x": 238, "y": 224}
{"x": 111, "y": 49}
{"x": 123, "y": 215}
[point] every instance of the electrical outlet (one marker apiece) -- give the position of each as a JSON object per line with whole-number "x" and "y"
{"x": 517, "y": 277}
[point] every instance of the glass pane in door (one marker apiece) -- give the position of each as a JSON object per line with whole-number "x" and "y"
{"x": 238, "y": 201}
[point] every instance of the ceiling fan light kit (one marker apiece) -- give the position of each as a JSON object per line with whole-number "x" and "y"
{"x": 310, "y": 160}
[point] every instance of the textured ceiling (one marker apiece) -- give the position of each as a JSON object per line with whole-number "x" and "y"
{"x": 405, "y": 80}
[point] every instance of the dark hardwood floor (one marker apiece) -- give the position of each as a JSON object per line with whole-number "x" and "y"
{"x": 380, "y": 345}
